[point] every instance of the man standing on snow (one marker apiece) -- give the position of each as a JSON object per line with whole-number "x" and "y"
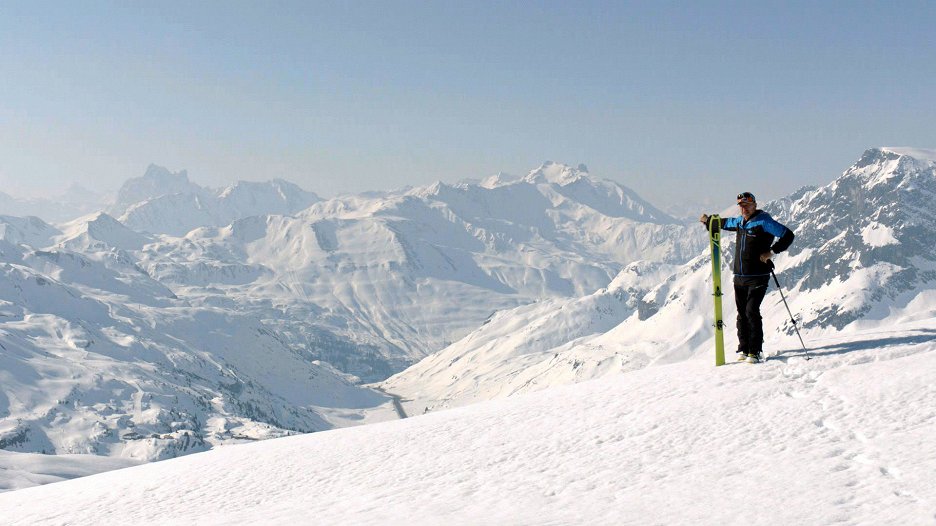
{"x": 753, "y": 249}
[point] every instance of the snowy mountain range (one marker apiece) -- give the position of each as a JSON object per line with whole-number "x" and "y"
{"x": 402, "y": 274}
{"x": 132, "y": 337}
{"x": 863, "y": 257}
{"x": 162, "y": 202}
{"x": 122, "y": 339}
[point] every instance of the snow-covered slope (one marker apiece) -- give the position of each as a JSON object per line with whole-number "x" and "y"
{"x": 532, "y": 347}
{"x": 843, "y": 438}
{"x": 863, "y": 255}
{"x": 25, "y": 470}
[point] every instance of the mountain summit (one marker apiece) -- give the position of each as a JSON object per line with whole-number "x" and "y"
{"x": 556, "y": 173}
{"x": 155, "y": 182}
{"x": 604, "y": 196}
{"x": 867, "y": 236}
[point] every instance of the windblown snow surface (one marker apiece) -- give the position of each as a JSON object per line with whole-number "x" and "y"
{"x": 843, "y": 438}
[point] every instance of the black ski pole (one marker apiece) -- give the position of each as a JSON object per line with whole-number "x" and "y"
{"x": 777, "y": 281}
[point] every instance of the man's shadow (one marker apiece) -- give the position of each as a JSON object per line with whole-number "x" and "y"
{"x": 919, "y": 336}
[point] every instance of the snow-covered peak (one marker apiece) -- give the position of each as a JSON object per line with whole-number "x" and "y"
{"x": 883, "y": 174}
{"x": 172, "y": 205}
{"x": 499, "y": 179}
{"x": 433, "y": 189}
{"x": 890, "y": 165}
{"x": 921, "y": 154}
{"x": 155, "y": 182}
{"x": 556, "y": 173}
{"x": 26, "y": 230}
{"x": 607, "y": 197}
{"x": 552, "y": 186}
{"x": 268, "y": 197}
{"x": 100, "y": 231}
{"x": 282, "y": 189}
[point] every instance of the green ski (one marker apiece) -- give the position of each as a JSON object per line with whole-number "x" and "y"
{"x": 715, "y": 243}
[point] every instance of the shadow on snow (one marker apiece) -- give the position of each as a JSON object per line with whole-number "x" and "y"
{"x": 921, "y": 336}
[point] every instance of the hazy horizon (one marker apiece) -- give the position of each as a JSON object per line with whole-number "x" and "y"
{"x": 682, "y": 103}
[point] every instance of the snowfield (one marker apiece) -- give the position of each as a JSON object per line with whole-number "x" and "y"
{"x": 843, "y": 438}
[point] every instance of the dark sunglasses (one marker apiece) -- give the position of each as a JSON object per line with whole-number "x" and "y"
{"x": 746, "y": 197}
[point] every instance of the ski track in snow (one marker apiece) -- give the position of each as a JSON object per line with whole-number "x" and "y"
{"x": 844, "y": 438}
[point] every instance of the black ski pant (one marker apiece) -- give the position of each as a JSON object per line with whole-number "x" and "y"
{"x": 749, "y": 293}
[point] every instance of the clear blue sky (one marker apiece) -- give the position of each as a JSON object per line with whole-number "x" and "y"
{"x": 678, "y": 100}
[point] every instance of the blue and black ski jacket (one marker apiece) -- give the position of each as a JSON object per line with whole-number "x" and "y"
{"x": 755, "y": 237}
